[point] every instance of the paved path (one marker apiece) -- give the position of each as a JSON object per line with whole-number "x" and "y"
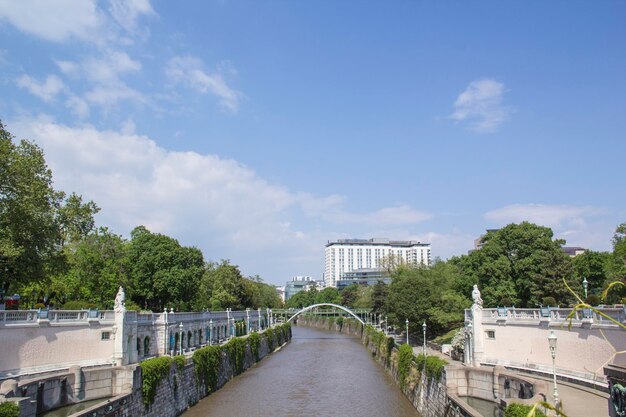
{"x": 577, "y": 401}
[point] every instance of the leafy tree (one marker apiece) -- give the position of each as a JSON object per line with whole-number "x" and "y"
{"x": 328, "y": 295}
{"x": 98, "y": 266}
{"x": 301, "y": 299}
{"x": 349, "y": 295}
{"x": 35, "y": 219}
{"x": 426, "y": 294}
{"x": 162, "y": 272}
{"x": 521, "y": 263}
{"x": 593, "y": 266}
{"x": 223, "y": 286}
{"x": 617, "y": 265}
{"x": 380, "y": 292}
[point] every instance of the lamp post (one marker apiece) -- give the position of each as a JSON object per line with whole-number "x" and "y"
{"x": 424, "y": 348}
{"x": 552, "y": 344}
{"x": 407, "y": 331}
{"x": 585, "y": 286}
{"x": 210, "y": 332}
{"x": 180, "y": 339}
{"x": 468, "y": 334}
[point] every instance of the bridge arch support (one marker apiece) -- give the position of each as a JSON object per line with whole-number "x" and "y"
{"x": 347, "y": 310}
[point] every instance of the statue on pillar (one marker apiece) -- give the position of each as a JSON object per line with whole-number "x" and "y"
{"x": 476, "y": 296}
{"x": 120, "y": 301}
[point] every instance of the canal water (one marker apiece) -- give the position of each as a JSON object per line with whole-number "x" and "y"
{"x": 318, "y": 374}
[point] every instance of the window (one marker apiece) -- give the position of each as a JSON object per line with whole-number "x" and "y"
{"x": 105, "y": 336}
{"x": 491, "y": 334}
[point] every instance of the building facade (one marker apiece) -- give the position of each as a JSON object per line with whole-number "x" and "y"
{"x": 300, "y": 283}
{"x": 364, "y": 276}
{"x": 348, "y": 255}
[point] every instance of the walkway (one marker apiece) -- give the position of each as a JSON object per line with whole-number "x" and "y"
{"x": 577, "y": 401}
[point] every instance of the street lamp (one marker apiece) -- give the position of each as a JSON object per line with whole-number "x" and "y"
{"x": 407, "y": 331}
{"x": 552, "y": 344}
{"x": 585, "y": 286}
{"x": 210, "y": 332}
{"x": 424, "y": 348}
{"x": 180, "y": 339}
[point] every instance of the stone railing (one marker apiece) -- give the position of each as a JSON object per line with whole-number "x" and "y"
{"x": 597, "y": 316}
{"x": 19, "y": 317}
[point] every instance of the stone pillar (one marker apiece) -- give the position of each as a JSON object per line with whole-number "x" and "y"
{"x": 79, "y": 380}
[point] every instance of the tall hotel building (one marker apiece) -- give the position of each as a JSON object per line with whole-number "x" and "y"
{"x": 347, "y": 255}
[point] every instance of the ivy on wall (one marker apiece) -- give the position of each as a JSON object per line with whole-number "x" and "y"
{"x": 153, "y": 371}
{"x": 254, "y": 340}
{"x": 9, "y": 409}
{"x": 207, "y": 362}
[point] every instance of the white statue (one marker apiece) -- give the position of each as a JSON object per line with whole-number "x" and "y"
{"x": 120, "y": 301}
{"x": 476, "y": 296}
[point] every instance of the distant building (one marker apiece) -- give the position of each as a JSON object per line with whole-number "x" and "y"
{"x": 573, "y": 251}
{"x": 479, "y": 242}
{"x": 300, "y": 283}
{"x": 281, "y": 293}
{"x": 363, "y": 276}
{"x": 347, "y": 255}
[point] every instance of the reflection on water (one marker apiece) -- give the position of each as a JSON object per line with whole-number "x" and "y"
{"x": 71, "y": 409}
{"x": 484, "y": 407}
{"x": 318, "y": 374}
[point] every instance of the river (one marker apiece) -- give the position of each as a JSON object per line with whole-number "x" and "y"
{"x": 318, "y": 374}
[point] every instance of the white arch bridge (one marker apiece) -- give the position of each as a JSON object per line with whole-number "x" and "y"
{"x": 363, "y": 315}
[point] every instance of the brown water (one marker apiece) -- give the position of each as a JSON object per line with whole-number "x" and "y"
{"x": 318, "y": 374}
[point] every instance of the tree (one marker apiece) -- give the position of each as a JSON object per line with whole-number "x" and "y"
{"x": 380, "y": 292}
{"x": 617, "y": 265}
{"x": 35, "y": 219}
{"x": 301, "y": 299}
{"x": 328, "y": 295}
{"x": 162, "y": 272}
{"x": 223, "y": 286}
{"x": 594, "y": 267}
{"x": 349, "y": 295}
{"x": 426, "y": 294}
{"x": 97, "y": 268}
{"x": 518, "y": 264}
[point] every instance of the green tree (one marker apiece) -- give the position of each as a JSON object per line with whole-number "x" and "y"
{"x": 617, "y": 265}
{"x": 594, "y": 267}
{"x": 35, "y": 219}
{"x": 223, "y": 286}
{"x": 97, "y": 267}
{"x": 426, "y": 294}
{"x": 162, "y": 272}
{"x": 349, "y": 295}
{"x": 328, "y": 295}
{"x": 380, "y": 292}
{"x": 519, "y": 264}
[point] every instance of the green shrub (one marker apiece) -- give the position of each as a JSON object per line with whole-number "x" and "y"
{"x": 593, "y": 300}
{"x": 331, "y": 322}
{"x": 405, "y": 357}
{"x": 269, "y": 335}
{"x": 207, "y": 363}
{"x": 39, "y": 306}
{"x": 434, "y": 366}
{"x": 153, "y": 371}
{"x": 521, "y": 410}
{"x": 9, "y": 409}
{"x": 548, "y": 301}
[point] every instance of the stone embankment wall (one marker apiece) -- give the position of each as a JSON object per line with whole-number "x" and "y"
{"x": 182, "y": 387}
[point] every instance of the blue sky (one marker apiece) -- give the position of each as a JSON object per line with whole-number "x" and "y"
{"x": 257, "y": 131}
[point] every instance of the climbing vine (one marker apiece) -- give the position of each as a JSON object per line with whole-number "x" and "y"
{"x": 180, "y": 362}
{"x": 236, "y": 349}
{"x": 269, "y": 335}
{"x": 434, "y": 366}
{"x": 207, "y": 362}
{"x": 153, "y": 371}
{"x": 255, "y": 341}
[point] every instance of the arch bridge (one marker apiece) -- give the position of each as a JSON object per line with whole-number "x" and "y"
{"x": 363, "y": 315}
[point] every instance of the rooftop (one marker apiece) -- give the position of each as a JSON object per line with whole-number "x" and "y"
{"x": 377, "y": 241}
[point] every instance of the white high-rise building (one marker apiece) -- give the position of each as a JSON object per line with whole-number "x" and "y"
{"x": 346, "y": 255}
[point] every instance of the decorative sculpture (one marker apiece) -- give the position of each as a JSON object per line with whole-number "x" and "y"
{"x": 476, "y": 296}
{"x": 120, "y": 301}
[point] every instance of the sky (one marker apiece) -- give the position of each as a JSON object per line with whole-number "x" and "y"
{"x": 258, "y": 131}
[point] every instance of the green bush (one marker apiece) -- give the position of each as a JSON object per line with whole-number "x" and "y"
{"x": 405, "y": 357}
{"x": 236, "y": 348}
{"x": 180, "y": 362}
{"x": 593, "y": 300}
{"x": 269, "y": 335}
{"x": 153, "y": 371}
{"x": 434, "y": 366}
{"x": 9, "y": 409}
{"x": 39, "y": 306}
{"x": 521, "y": 410}
{"x": 548, "y": 301}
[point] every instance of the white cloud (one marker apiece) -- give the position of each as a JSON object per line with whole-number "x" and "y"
{"x": 78, "y": 106}
{"x": 45, "y": 90}
{"x": 189, "y": 71}
{"x": 481, "y": 106}
{"x": 104, "y": 75}
{"x": 126, "y": 12}
{"x": 54, "y": 20}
